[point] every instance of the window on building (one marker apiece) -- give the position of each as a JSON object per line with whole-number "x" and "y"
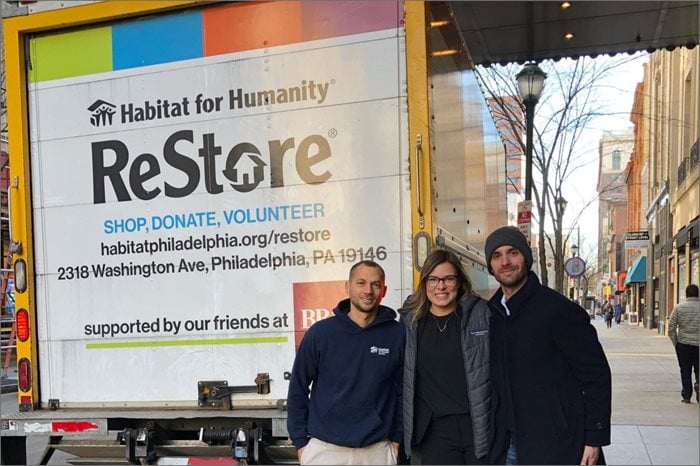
{"x": 616, "y": 158}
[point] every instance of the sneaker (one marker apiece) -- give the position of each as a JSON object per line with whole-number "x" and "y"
{"x": 685, "y": 400}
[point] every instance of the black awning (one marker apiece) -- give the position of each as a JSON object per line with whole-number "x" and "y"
{"x": 681, "y": 238}
{"x": 519, "y": 31}
{"x": 688, "y": 234}
{"x": 694, "y": 232}
{"x": 667, "y": 248}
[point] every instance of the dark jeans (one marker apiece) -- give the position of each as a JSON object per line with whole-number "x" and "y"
{"x": 448, "y": 440}
{"x": 512, "y": 455}
{"x": 688, "y": 361}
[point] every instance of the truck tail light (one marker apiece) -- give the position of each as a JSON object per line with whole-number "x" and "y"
{"x": 22, "y": 320}
{"x": 24, "y": 369}
{"x": 20, "y": 276}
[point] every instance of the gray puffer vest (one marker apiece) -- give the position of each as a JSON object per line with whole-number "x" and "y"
{"x": 475, "y": 349}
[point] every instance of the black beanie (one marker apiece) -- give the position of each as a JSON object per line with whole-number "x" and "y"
{"x": 507, "y": 236}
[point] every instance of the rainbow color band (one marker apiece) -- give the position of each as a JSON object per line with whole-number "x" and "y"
{"x": 201, "y": 33}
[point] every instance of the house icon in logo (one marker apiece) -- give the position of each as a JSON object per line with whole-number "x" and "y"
{"x": 240, "y": 173}
{"x": 101, "y": 113}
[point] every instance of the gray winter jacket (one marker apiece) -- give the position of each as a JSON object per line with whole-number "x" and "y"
{"x": 475, "y": 348}
{"x": 685, "y": 322}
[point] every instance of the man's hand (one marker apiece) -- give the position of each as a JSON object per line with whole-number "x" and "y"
{"x": 590, "y": 455}
{"x": 299, "y": 453}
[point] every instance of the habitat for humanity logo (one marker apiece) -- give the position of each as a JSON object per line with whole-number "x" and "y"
{"x": 378, "y": 351}
{"x": 101, "y": 113}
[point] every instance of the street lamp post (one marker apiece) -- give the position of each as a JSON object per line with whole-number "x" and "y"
{"x": 574, "y": 253}
{"x": 530, "y": 83}
{"x": 574, "y": 267}
{"x": 560, "y": 204}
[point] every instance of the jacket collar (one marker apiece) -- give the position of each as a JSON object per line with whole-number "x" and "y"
{"x": 517, "y": 301}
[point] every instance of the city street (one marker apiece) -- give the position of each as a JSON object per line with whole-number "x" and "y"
{"x": 650, "y": 424}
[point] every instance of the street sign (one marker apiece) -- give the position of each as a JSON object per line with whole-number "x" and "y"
{"x": 636, "y": 239}
{"x": 575, "y": 267}
{"x": 525, "y": 218}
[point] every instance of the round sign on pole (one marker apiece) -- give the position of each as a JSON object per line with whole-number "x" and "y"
{"x": 575, "y": 267}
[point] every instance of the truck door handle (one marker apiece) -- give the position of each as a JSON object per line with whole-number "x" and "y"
{"x": 419, "y": 146}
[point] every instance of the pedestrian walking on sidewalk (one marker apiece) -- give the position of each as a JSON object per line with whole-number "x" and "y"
{"x": 618, "y": 313}
{"x": 549, "y": 373}
{"x": 683, "y": 330}
{"x": 608, "y": 314}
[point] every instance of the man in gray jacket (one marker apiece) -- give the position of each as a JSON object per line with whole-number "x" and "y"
{"x": 683, "y": 330}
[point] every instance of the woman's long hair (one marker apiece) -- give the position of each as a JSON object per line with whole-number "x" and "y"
{"x": 418, "y": 302}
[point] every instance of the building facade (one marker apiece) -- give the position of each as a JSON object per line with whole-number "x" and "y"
{"x": 666, "y": 152}
{"x": 637, "y": 237}
{"x": 614, "y": 149}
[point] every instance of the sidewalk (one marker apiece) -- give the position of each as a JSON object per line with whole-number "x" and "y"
{"x": 650, "y": 424}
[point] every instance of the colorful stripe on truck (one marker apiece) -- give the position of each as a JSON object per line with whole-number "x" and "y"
{"x": 201, "y": 33}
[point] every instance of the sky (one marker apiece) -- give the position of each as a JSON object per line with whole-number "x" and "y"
{"x": 617, "y": 96}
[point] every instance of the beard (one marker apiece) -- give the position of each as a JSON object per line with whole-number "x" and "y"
{"x": 513, "y": 280}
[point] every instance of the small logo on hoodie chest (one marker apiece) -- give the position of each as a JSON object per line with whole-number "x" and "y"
{"x": 378, "y": 351}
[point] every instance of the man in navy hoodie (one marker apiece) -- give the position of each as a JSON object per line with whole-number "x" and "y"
{"x": 354, "y": 360}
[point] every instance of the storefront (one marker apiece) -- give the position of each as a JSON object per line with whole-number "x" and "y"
{"x": 688, "y": 258}
{"x": 635, "y": 281}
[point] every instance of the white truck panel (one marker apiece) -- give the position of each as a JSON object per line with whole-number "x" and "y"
{"x": 92, "y": 326}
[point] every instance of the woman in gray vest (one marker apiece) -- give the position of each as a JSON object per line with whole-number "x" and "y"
{"x": 447, "y": 387}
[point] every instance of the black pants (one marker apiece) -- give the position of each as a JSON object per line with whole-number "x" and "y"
{"x": 688, "y": 361}
{"x": 448, "y": 440}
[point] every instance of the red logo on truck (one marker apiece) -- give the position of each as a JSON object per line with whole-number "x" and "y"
{"x": 314, "y": 301}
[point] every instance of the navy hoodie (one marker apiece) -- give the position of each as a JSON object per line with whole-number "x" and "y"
{"x": 357, "y": 375}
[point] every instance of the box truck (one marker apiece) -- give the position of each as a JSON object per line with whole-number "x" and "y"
{"x": 190, "y": 184}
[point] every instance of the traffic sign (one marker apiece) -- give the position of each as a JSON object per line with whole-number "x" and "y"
{"x": 525, "y": 218}
{"x": 575, "y": 267}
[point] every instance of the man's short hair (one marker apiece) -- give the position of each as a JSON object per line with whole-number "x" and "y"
{"x": 367, "y": 263}
{"x": 691, "y": 291}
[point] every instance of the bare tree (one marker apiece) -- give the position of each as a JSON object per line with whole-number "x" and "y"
{"x": 569, "y": 104}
